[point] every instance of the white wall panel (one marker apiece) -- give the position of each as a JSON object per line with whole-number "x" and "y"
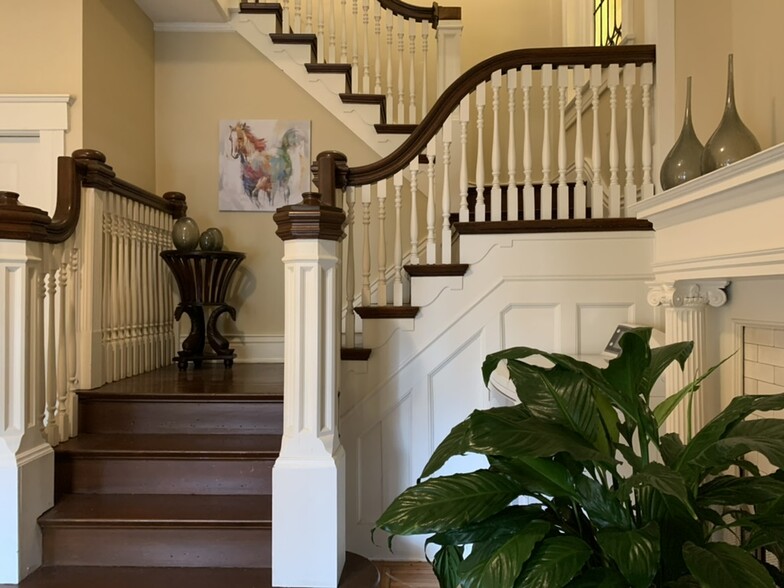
{"x": 596, "y": 323}
{"x": 531, "y": 325}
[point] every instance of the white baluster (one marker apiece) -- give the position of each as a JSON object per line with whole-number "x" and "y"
{"x": 613, "y": 78}
{"x": 578, "y": 74}
{"x": 424, "y": 101}
{"x": 367, "y": 198}
{"x": 495, "y": 157}
{"x": 546, "y": 192}
{"x": 164, "y": 294}
{"x": 321, "y": 46}
{"x": 332, "y": 48}
{"x": 365, "y": 47}
{"x": 412, "y": 113}
{"x": 414, "y": 225}
{"x": 401, "y": 105}
{"x": 446, "y": 193}
{"x": 135, "y": 289}
{"x": 39, "y": 300}
{"x": 349, "y": 260}
{"x": 343, "y": 32}
{"x": 630, "y": 191}
{"x": 390, "y": 48}
{"x": 109, "y": 259}
{"x": 71, "y": 346}
{"x": 397, "y": 286}
{"x": 647, "y": 147}
{"x": 512, "y": 192}
{"x": 146, "y": 286}
{"x": 286, "y": 17}
{"x": 379, "y": 47}
{"x": 61, "y": 255}
{"x": 465, "y": 117}
{"x": 309, "y": 18}
{"x": 431, "y": 201}
{"x": 597, "y": 190}
{"x": 52, "y": 430}
{"x": 481, "y": 100}
{"x": 381, "y": 196}
{"x": 355, "y": 81}
{"x": 297, "y": 26}
{"x": 563, "y": 187}
{"x": 529, "y": 205}
{"x": 120, "y": 302}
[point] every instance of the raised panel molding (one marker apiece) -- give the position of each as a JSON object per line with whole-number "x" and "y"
{"x": 596, "y": 323}
{"x": 541, "y": 326}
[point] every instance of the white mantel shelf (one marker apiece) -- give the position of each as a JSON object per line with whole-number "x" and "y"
{"x": 724, "y": 225}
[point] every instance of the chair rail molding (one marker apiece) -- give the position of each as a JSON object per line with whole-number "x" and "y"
{"x": 42, "y": 118}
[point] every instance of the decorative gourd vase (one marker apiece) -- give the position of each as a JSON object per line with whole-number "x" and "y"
{"x": 185, "y": 234}
{"x": 732, "y": 140}
{"x": 211, "y": 240}
{"x": 683, "y": 162}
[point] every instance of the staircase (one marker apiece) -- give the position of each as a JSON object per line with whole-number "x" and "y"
{"x": 170, "y": 481}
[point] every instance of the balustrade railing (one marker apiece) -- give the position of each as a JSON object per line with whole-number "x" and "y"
{"x": 88, "y": 295}
{"x": 517, "y": 123}
{"x": 390, "y": 46}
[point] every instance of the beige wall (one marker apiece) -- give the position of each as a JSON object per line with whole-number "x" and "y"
{"x": 119, "y": 89}
{"x": 200, "y": 80}
{"x": 46, "y": 56}
{"x": 707, "y": 31}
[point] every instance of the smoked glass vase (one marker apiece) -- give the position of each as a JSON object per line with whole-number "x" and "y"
{"x": 683, "y": 162}
{"x": 732, "y": 140}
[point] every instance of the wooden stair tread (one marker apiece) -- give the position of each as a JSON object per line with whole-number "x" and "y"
{"x": 553, "y": 226}
{"x": 354, "y": 98}
{"x": 261, "y": 382}
{"x": 396, "y": 129}
{"x": 159, "y": 510}
{"x": 436, "y": 269}
{"x": 150, "y": 446}
{"x": 386, "y": 312}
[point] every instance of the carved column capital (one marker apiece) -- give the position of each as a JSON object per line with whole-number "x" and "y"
{"x": 688, "y": 294}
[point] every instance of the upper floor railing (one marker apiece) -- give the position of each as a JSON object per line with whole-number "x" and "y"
{"x": 87, "y": 297}
{"x": 518, "y": 124}
{"x": 390, "y": 46}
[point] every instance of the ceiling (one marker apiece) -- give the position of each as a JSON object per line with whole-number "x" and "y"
{"x": 168, "y": 11}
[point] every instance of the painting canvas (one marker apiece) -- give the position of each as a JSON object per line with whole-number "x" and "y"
{"x": 264, "y": 164}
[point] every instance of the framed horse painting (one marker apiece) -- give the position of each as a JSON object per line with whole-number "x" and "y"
{"x": 264, "y": 164}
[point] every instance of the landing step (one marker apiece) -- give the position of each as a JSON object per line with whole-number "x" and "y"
{"x": 386, "y": 312}
{"x": 436, "y": 269}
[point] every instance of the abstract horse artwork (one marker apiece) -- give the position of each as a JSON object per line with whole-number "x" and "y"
{"x": 272, "y": 165}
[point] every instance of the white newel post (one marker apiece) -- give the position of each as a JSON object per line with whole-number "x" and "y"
{"x": 308, "y": 479}
{"x": 686, "y": 303}
{"x": 26, "y": 459}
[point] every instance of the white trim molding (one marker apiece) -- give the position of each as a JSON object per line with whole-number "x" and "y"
{"x": 681, "y": 294}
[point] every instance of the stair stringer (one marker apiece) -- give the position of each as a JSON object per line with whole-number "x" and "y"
{"x": 324, "y": 87}
{"x": 563, "y": 292}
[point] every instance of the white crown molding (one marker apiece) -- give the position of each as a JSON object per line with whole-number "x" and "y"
{"x": 34, "y": 112}
{"x": 193, "y": 27}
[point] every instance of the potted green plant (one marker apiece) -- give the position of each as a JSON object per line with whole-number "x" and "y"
{"x": 556, "y": 507}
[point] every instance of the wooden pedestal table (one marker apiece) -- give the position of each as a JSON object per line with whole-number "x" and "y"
{"x": 203, "y": 278}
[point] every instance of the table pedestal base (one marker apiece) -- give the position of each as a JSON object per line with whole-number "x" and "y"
{"x": 193, "y": 346}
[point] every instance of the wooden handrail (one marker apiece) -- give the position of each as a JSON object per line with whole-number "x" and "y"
{"x": 86, "y": 168}
{"x": 432, "y": 14}
{"x": 467, "y": 83}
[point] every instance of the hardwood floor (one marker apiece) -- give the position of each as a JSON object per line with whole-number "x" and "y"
{"x": 403, "y": 574}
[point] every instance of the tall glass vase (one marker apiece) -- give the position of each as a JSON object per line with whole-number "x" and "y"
{"x": 732, "y": 140}
{"x": 684, "y": 159}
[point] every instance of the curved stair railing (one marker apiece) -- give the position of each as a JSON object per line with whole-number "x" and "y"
{"x": 533, "y": 174}
{"x": 87, "y": 298}
{"x": 385, "y": 48}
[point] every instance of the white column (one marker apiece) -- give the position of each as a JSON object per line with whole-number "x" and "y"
{"x": 308, "y": 479}
{"x": 685, "y": 305}
{"x": 448, "y": 37}
{"x": 26, "y": 459}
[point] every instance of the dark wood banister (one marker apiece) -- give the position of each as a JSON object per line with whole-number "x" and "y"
{"x": 88, "y": 168}
{"x": 431, "y": 14}
{"x": 465, "y": 84}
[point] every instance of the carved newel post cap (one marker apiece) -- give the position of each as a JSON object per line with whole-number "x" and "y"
{"x": 18, "y": 221}
{"x": 310, "y": 219}
{"x": 177, "y": 205}
{"x": 91, "y": 154}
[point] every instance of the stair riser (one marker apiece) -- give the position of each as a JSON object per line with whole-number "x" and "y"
{"x": 148, "y": 547}
{"x": 102, "y": 416}
{"x": 164, "y": 476}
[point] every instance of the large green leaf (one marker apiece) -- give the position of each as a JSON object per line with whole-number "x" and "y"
{"x": 718, "y": 565}
{"x": 763, "y": 435}
{"x": 505, "y": 433}
{"x": 635, "y": 552}
{"x": 445, "y": 565}
{"x": 508, "y": 521}
{"x": 733, "y": 490}
{"x": 670, "y": 447}
{"x": 661, "y": 358}
{"x": 455, "y": 443}
{"x": 599, "y": 578}
{"x": 601, "y": 505}
{"x": 557, "y": 395}
{"x": 442, "y": 504}
{"x": 664, "y": 480}
{"x": 498, "y": 562}
{"x": 625, "y": 372}
{"x": 738, "y": 409}
{"x": 554, "y": 563}
{"x": 537, "y": 476}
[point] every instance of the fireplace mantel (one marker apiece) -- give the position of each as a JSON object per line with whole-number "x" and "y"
{"x": 724, "y": 225}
